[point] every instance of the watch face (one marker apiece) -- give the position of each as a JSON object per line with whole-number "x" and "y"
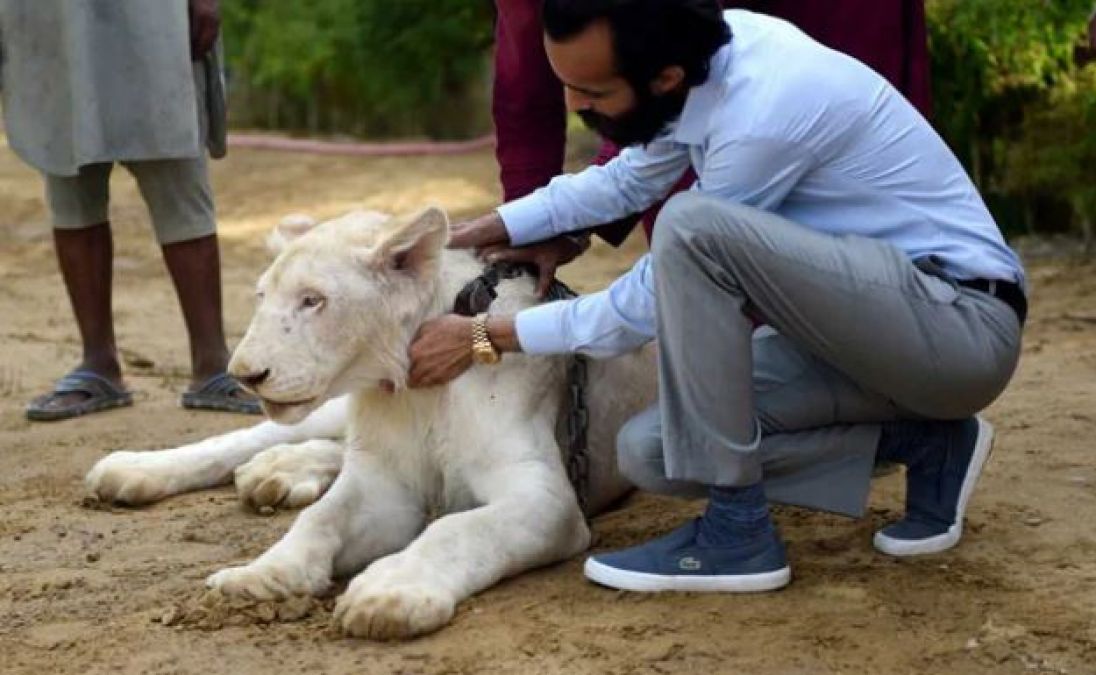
{"x": 485, "y": 355}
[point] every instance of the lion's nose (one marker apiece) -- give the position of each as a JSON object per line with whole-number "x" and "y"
{"x": 252, "y": 379}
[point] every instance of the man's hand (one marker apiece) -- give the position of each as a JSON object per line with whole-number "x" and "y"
{"x": 441, "y": 351}
{"x": 205, "y": 23}
{"x": 484, "y": 231}
{"x": 547, "y": 256}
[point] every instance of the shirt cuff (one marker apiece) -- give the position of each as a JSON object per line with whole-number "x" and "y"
{"x": 540, "y": 329}
{"x": 526, "y": 220}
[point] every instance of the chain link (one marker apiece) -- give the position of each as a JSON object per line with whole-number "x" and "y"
{"x": 578, "y": 422}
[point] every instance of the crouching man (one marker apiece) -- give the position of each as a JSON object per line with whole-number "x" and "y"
{"x": 827, "y": 209}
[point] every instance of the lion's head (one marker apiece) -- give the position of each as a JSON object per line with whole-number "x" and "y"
{"x": 338, "y": 307}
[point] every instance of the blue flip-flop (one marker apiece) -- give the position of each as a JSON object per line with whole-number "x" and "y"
{"x": 220, "y": 392}
{"x": 102, "y": 394}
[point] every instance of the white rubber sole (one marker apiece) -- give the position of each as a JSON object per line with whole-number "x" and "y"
{"x": 983, "y": 445}
{"x": 656, "y": 583}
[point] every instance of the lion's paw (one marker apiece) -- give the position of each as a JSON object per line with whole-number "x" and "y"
{"x": 289, "y": 475}
{"x": 269, "y": 581}
{"x": 383, "y": 608}
{"x": 132, "y": 478}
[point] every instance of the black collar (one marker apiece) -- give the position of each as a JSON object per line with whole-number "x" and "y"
{"x": 478, "y": 294}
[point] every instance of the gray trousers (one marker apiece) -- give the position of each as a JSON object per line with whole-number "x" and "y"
{"x": 859, "y": 336}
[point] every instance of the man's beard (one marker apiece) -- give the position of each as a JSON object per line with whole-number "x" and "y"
{"x": 643, "y": 123}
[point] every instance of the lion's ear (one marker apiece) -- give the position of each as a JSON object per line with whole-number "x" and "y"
{"x": 289, "y": 228}
{"x": 414, "y": 243}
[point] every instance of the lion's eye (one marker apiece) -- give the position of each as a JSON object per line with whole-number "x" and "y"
{"x": 311, "y": 301}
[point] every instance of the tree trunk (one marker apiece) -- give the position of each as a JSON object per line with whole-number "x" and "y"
{"x": 273, "y": 103}
{"x": 1088, "y": 236}
{"x": 976, "y": 162}
{"x": 312, "y": 112}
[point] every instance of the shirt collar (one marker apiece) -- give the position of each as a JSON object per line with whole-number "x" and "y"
{"x": 692, "y": 126}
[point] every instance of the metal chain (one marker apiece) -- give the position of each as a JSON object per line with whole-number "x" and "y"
{"x": 475, "y": 297}
{"x": 578, "y": 421}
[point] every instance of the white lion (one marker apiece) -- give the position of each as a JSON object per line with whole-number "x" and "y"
{"x": 440, "y": 492}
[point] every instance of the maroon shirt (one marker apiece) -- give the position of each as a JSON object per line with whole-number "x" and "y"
{"x": 530, "y": 120}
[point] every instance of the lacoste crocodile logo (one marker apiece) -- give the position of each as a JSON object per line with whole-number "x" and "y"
{"x": 689, "y": 564}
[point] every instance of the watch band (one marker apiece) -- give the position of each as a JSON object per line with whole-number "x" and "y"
{"x": 483, "y": 350}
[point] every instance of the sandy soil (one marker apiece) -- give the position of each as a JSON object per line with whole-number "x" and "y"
{"x": 113, "y": 590}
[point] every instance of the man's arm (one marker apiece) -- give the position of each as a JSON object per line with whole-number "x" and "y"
{"x": 755, "y": 172}
{"x": 611, "y": 322}
{"x": 603, "y": 324}
{"x": 629, "y": 183}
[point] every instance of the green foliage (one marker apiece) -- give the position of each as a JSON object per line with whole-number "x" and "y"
{"x": 1010, "y": 97}
{"x": 359, "y": 66}
{"x": 1056, "y": 150}
{"x": 1003, "y": 71}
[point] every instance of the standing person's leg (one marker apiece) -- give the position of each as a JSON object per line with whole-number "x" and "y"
{"x": 180, "y": 203}
{"x": 86, "y": 258}
{"x": 195, "y": 267}
{"x": 527, "y": 105}
{"x": 860, "y": 305}
{"x": 85, "y": 254}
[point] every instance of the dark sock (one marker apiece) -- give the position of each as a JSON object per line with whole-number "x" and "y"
{"x": 734, "y": 513}
{"x": 918, "y": 443}
{"x": 903, "y": 442}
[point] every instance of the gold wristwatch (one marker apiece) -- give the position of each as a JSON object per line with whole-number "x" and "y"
{"x": 482, "y": 350}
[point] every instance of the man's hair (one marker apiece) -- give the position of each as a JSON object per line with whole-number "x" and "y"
{"x": 648, "y": 35}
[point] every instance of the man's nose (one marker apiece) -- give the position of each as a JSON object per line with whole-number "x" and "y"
{"x": 576, "y": 101}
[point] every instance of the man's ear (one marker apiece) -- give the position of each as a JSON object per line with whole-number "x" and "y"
{"x": 291, "y": 227}
{"x": 668, "y": 80}
{"x": 414, "y": 243}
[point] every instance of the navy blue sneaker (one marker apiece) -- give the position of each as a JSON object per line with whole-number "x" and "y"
{"x": 678, "y": 562}
{"x": 938, "y": 487}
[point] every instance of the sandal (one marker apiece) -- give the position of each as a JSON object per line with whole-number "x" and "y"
{"x": 102, "y": 394}
{"x": 220, "y": 392}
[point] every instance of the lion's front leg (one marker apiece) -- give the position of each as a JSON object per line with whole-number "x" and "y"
{"x": 367, "y": 513}
{"x": 530, "y": 519}
{"x": 137, "y": 478}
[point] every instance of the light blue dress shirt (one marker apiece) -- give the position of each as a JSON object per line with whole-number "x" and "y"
{"x": 782, "y": 124}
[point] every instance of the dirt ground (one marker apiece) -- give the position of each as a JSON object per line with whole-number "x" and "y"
{"x": 112, "y": 590}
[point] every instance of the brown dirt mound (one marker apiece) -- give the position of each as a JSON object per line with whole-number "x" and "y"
{"x": 213, "y": 610}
